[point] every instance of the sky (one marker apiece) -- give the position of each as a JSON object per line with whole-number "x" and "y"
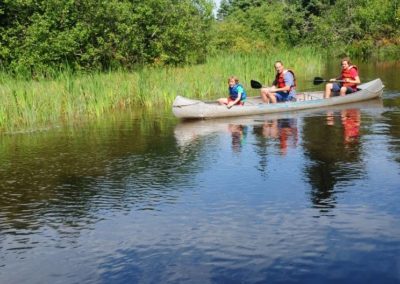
{"x": 217, "y": 3}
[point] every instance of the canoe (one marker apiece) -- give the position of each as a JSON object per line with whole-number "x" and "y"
{"x": 186, "y": 108}
{"x": 188, "y": 131}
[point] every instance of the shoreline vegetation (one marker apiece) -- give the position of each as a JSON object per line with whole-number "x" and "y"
{"x": 61, "y": 61}
{"x": 68, "y": 97}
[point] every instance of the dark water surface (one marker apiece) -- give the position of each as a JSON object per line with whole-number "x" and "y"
{"x": 307, "y": 197}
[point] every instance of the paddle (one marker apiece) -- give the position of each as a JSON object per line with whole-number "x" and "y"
{"x": 319, "y": 80}
{"x": 255, "y": 84}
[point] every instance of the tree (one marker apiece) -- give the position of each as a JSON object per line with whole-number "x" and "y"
{"x": 92, "y": 34}
{"x": 228, "y": 7}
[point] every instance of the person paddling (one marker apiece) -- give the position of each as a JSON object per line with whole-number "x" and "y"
{"x": 349, "y": 79}
{"x": 283, "y": 88}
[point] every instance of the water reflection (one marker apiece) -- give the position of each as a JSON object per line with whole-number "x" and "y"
{"x": 283, "y": 130}
{"x": 392, "y": 129}
{"x": 332, "y": 145}
{"x": 350, "y": 120}
{"x": 65, "y": 178}
{"x": 187, "y": 132}
{"x": 156, "y": 200}
{"x": 239, "y": 136}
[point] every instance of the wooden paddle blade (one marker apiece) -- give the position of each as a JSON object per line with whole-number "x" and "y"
{"x": 255, "y": 84}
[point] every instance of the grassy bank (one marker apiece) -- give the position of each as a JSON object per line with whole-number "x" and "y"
{"x": 32, "y": 104}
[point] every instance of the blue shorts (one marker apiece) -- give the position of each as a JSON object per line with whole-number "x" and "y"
{"x": 336, "y": 88}
{"x": 283, "y": 96}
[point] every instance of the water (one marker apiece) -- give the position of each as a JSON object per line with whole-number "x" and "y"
{"x": 306, "y": 197}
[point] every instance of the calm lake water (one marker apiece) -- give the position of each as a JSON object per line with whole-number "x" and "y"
{"x": 306, "y": 197}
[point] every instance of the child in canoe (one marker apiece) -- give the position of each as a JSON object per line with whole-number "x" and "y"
{"x": 237, "y": 94}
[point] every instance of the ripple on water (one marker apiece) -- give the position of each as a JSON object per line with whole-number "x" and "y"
{"x": 122, "y": 210}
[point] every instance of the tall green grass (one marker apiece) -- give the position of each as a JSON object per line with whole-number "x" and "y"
{"x": 33, "y": 104}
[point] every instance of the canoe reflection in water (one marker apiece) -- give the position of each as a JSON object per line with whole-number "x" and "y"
{"x": 188, "y": 132}
{"x": 278, "y": 130}
{"x": 283, "y": 130}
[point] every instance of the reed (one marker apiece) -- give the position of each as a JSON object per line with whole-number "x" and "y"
{"x": 33, "y": 104}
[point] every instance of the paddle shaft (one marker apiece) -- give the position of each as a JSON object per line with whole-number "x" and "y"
{"x": 340, "y": 81}
{"x": 319, "y": 80}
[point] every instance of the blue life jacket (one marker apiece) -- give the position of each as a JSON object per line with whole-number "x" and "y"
{"x": 233, "y": 92}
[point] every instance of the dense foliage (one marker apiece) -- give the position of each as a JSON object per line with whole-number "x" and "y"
{"x": 101, "y": 34}
{"x": 38, "y": 36}
{"x": 351, "y": 26}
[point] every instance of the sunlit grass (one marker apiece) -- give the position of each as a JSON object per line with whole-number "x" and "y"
{"x": 67, "y": 97}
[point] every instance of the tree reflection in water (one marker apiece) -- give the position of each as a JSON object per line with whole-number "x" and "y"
{"x": 332, "y": 144}
{"x": 393, "y": 132}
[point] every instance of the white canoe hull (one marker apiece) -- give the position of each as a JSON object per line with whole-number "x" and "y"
{"x": 188, "y": 108}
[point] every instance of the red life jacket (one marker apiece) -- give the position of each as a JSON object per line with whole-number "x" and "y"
{"x": 351, "y": 125}
{"x": 280, "y": 81}
{"x": 347, "y": 74}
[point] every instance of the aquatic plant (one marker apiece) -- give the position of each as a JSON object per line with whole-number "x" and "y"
{"x": 29, "y": 104}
